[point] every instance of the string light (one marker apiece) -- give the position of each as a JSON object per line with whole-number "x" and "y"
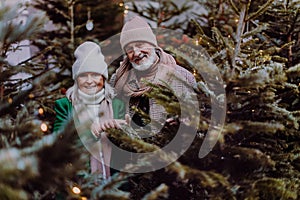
{"x": 76, "y": 190}
{"x": 126, "y": 9}
{"x": 121, "y": 4}
{"x": 41, "y": 111}
{"x": 31, "y": 96}
{"x": 10, "y": 100}
{"x": 44, "y": 127}
{"x": 194, "y": 72}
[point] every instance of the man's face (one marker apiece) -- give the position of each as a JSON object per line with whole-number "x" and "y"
{"x": 141, "y": 55}
{"x": 90, "y": 82}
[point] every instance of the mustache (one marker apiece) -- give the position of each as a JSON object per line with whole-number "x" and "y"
{"x": 140, "y": 56}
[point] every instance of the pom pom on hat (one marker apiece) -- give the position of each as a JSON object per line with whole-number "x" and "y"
{"x": 137, "y": 29}
{"x": 89, "y": 58}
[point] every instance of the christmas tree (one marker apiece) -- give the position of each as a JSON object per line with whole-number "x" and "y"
{"x": 244, "y": 55}
{"x": 35, "y": 162}
{"x": 256, "y": 156}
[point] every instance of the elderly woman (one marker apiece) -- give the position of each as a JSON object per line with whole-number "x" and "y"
{"x": 89, "y": 102}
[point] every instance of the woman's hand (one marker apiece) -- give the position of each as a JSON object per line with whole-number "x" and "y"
{"x": 99, "y": 126}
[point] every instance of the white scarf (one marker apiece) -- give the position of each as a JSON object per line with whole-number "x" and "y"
{"x": 88, "y": 109}
{"x": 92, "y": 103}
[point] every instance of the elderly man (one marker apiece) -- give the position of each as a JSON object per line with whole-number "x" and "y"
{"x": 146, "y": 62}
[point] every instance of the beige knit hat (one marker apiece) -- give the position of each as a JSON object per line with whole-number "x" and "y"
{"x": 137, "y": 29}
{"x": 89, "y": 58}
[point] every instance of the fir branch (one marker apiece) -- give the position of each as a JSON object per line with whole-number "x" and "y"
{"x": 294, "y": 71}
{"x": 260, "y": 11}
{"x": 274, "y": 188}
{"x": 280, "y": 59}
{"x": 258, "y": 29}
{"x": 156, "y": 193}
{"x": 110, "y": 189}
{"x": 7, "y": 192}
{"x": 253, "y": 158}
{"x": 284, "y": 112}
{"x": 219, "y": 37}
{"x": 5, "y": 108}
{"x": 39, "y": 54}
{"x": 205, "y": 178}
{"x": 261, "y": 127}
{"x": 198, "y": 27}
{"x": 235, "y": 9}
{"x": 294, "y": 22}
{"x": 238, "y": 38}
{"x": 204, "y": 88}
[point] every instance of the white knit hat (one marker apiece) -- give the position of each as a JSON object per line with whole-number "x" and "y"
{"x": 89, "y": 58}
{"x": 137, "y": 29}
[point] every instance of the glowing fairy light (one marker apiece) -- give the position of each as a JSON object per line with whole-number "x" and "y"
{"x": 31, "y": 96}
{"x": 10, "y": 100}
{"x": 126, "y": 9}
{"x": 41, "y": 111}
{"x": 121, "y": 4}
{"x": 76, "y": 190}
{"x": 44, "y": 127}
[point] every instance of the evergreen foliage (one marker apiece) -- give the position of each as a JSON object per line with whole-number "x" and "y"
{"x": 253, "y": 45}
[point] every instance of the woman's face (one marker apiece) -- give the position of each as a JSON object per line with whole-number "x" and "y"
{"x": 90, "y": 82}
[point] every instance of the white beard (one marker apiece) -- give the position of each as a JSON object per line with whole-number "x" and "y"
{"x": 147, "y": 63}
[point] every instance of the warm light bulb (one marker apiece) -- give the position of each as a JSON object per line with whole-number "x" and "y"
{"x": 31, "y": 96}
{"x": 76, "y": 190}
{"x": 10, "y": 100}
{"x": 44, "y": 127}
{"x": 41, "y": 111}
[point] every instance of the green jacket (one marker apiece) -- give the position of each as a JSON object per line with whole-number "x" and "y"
{"x": 63, "y": 108}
